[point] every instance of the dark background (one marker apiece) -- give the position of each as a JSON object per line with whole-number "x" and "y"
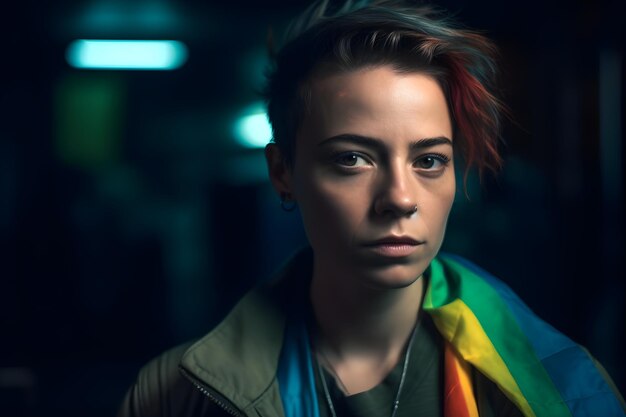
{"x": 131, "y": 221}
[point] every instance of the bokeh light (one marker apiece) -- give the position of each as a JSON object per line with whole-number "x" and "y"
{"x": 126, "y": 54}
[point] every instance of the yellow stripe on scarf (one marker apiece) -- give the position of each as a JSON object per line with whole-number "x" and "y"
{"x": 461, "y": 328}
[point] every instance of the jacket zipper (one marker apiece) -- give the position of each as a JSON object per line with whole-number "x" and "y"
{"x": 218, "y": 399}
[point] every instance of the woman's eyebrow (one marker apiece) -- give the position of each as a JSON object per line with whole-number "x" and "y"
{"x": 380, "y": 144}
{"x": 428, "y": 142}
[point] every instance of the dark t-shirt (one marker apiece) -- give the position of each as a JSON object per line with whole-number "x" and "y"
{"x": 422, "y": 391}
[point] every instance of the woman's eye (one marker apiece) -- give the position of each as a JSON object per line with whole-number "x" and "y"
{"x": 432, "y": 162}
{"x": 350, "y": 160}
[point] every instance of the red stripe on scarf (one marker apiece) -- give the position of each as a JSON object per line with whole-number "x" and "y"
{"x": 459, "y": 398}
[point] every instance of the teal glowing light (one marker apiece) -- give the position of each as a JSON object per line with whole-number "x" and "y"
{"x": 126, "y": 54}
{"x": 253, "y": 130}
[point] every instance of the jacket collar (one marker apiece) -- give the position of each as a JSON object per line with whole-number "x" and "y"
{"x": 239, "y": 358}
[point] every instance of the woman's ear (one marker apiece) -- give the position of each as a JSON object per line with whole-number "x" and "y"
{"x": 279, "y": 172}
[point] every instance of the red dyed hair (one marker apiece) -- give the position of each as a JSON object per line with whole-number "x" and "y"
{"x": 410, "y": 39}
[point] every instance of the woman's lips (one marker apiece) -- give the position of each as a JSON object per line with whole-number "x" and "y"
{"x": 394, "y": 247}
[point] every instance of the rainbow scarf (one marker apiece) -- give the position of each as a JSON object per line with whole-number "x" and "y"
{"x": 485, "y": 326}
{"x": 540, "y": 370}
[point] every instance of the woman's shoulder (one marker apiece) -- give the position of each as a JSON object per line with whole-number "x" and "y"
{"x": 160, "y": 389}
{"x": 247, "y": 338}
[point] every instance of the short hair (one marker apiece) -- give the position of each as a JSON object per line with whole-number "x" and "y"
{"x": 409, "y": 38}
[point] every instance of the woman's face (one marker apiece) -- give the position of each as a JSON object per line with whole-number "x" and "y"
{"x": 375, "y": 145}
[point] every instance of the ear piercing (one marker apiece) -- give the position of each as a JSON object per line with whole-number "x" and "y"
{"x": 287, "y": 203}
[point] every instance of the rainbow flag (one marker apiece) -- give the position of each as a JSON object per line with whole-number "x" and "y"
{"x": 540, "y": 370}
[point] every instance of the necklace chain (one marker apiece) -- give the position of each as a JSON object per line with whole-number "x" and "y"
{"x": 396, "y": 402}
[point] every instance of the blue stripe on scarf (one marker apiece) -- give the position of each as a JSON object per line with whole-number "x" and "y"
{"x": 296, "y": 381}
{"x": 572, "y": 371}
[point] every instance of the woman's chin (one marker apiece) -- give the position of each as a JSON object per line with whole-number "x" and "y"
{"x": 393, "y": 277}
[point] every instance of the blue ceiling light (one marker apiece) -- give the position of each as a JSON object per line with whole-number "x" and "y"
{"x": 126, "y": 54}
{"x": 253, "y": 130}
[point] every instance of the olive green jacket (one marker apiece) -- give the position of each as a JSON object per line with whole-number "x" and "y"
{"x": 232, "y": 370}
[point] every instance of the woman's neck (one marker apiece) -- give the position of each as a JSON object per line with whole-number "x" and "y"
{"x": 362, "y": 331}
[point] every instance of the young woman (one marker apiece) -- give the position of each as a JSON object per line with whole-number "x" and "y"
{"x": 369, "y": 107}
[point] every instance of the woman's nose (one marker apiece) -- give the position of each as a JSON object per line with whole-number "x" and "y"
{"x": 397, "y": 195}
